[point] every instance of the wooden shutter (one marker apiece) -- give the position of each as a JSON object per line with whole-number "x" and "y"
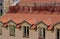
{"x": 0, "y": 29}
{"x": 16, "y": 8}
{"x": 49, "y": 8}
{"x": 21, "y": 8}
{"x": 25, "y": 31}
{"x": 28, "y": 8}
{"x": 33, "y": 8}
{"x": 52, "y": 8}
{"x": 57, "y": 33}
{"x": 12, "y": 9}
{"x": 12, "y": 30}
{"x": 43, "y": 8}
{"x": 41, "y": 32}
{"x": 38, "y": 8}
{"x": 57, "y": 9}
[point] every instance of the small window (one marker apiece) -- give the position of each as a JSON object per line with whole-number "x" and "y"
{"x": 12, "y": 30}
{"x": 23, "y": 8}
{"x": 13, "y": 0}
{"x": 34, "y": 8}
{"x": 58, "y": 32}
{"x": 38, "y": 8}
{"x": 0, "y": 4}
{"x": 0, "y": 29}
{"x": 41, "y": 33}
{"x": 1, "y": 12}
{"x": 25, "y": 31}
{"x": 28, "y": 8}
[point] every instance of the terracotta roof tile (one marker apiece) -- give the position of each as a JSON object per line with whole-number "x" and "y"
{"x": 39, "y": 1}
{"x": 32, "y": 18}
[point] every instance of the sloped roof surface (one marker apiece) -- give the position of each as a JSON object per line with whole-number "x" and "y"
{"x": 33, "y": 17}
{"x": 31, "y": 2}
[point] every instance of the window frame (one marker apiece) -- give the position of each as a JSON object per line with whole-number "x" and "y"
{"x": 1, "y": 4}
{"x": 1, "y": 29}
{"x": 57, "y": 33}
{"x": 41, "y": 34}
{"x": 1, "y": 11}
{"x": 10, "y": 33}
{"x": 26, "y": 34}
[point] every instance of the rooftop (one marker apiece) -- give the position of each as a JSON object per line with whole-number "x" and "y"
{"x": 33, "y": 17}
{"x": 39, "y": 2}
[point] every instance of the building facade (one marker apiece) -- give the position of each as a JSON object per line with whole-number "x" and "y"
{"x": 1, "y": 7}
{"x": 30, "y": 20}
{"x": 4, "y": 5}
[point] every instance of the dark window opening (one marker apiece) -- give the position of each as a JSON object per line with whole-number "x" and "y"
{"x": 38, "y": 8}
{"x": 44, "y": 32}
{"x": 28, "y": 8}
{"x": 26, "y": 31}
{"x": 1, "y": 12}
{"x": 12, "y": 30}
{"x": 0, "y": 29}
{"x": 0, "y": 4}
{"x": 34, "y": 8}
{"x": 23, "y": 8}
{"x": 57, "y": 33}
{"x": 41, "y": 33}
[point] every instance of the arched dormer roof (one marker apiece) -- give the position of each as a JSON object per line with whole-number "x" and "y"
{"x": 11, "y": 21}
{"x": 1, "y": 22}
{"x": 40, "y": 23}
{"x": 56, "y": 24}
{"x": 23, "y": 22}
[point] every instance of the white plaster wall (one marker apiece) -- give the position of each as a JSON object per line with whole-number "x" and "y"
{"x": 50, "y": 34}
{"x": 18, "y": 34}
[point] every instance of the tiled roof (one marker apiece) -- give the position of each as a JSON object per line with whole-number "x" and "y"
{"x": 31, "y": 2}
{"x": 31, "y": 17}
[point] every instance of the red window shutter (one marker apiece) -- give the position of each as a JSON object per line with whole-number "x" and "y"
{"x": 52, "y": 8}
{"x": 33, "y": 8}
{"x": 28, "y": 8}
{"x": 38, "y": 8}
{"x": 16, "y": 8}
{"x": 43, "y": 8}
{"x": 12, "y": 9}
{"x": 21, "y": 8}
{"x": 49, "y": 8}
{"x": 57, "y": 9}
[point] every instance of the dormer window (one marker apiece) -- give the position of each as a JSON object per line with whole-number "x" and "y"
{"x": 12, "y": 30}
{"x": 58, "y": 33}
{"x": 1, "y": 12}
{"x": 26, "y": 31}
{"x": 41, "y": 27}
{"x": 0, "y": 4}
{"x": 41, "y": 33}
{"x": 1, "y": 28}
